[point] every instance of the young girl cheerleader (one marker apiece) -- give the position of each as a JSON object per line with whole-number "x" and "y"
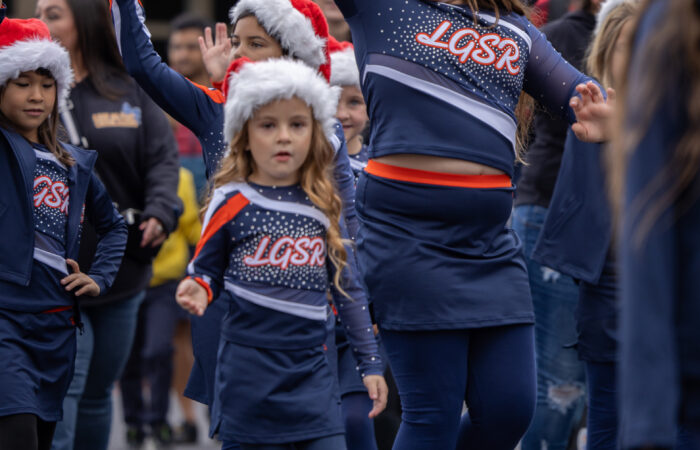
{"x": 262, "y": 29}
{"x": 445, "y": 275}
{"x": 270, "y": 249}
{"x": 47, "y": 189}
{"x": 352, "y": 109}
{"x": 577, "y": 235}
{"x": 656, "y": 176}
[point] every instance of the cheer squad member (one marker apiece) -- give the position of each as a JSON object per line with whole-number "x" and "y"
{"x": 48, "y": 187}
{"x": 445, "y": 274}
{"x": 270, "y": 246}
{"x": 352, "y": 109}
{"x": 657, "y": 174}
{"x": 297, "y": 29}
{"x": 576, "y": 237}
{"x": 138, "y": 166}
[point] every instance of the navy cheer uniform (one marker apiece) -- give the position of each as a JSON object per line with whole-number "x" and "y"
{"x": 263, "y": 255}
{"x": 42, "y": 206}
{"x": 201, "y": 109}
{"x": 445, "y": 274}
{"x": 358, "y": 161}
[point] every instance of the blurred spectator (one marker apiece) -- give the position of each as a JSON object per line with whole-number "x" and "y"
{"x": 151, "y": 357}
{"x": 560, "y": 374}
{"x": 138, "y": 165}
{"x": 337, "y": 26}
{"x": 185, "y": 57}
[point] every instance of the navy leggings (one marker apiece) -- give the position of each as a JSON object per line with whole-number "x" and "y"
{"x": 492, "y": 369}
{"x": 602, "y": 406}
{"x": 359, "y": 428}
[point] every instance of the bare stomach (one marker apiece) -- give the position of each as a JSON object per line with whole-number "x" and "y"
{"x": 438, "y": 164}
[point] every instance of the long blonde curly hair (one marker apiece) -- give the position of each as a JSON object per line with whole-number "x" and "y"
{"x": 315, "y": 178}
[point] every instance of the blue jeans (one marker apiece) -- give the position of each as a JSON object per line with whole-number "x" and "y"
{"x": 436, "y": 371}
{"x": 560, "y": 374}
{"x": 101, "y": 356}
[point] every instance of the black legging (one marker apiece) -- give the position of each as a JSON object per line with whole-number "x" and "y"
{"x": 25, "y": 431}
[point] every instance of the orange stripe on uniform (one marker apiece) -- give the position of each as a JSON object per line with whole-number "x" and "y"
{"x": 216, "y": 95}
{"x": 224, "y": 215}
{"x": 437, "y": 178}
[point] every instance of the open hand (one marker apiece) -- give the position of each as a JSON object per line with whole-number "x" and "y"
{"x": 593, "y": 113}
{"x": 378, "y": 392}
{"x": 215, "y": 53}
{"x": 77, "y": 279}
{"x": 192, "y": 297}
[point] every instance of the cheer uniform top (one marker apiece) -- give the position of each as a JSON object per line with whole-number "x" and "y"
{"x": 453, "y": 83}
{"x": 48, "y": 202}
{"x": 359, "y": 161}
{"x": 263, "y": 251}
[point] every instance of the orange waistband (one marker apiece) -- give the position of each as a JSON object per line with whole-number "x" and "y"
{"x": 438, "y": 178}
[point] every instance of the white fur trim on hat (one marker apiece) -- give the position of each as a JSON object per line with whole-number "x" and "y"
{"x": 283, "y": 21}
{"x": 606, "y": 8}
{"x": 257, "y": 84}
{"x": 33, "y": 54}
{"x": 344, "y": 71}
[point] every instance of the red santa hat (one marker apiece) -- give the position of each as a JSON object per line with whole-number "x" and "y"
{"x": 26, "y": 45}
{"x": 299, "y": 25}
{"x": 250, "y": 86}
{"x": 344, "y": 71}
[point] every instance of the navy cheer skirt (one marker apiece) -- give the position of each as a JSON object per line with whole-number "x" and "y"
{"x": 437, "y": 254}
{"x": 269, "y": 396}
{"x": 37, "y": 357}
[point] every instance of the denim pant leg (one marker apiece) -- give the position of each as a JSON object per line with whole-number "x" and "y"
{"x": 65, "y": 429}
{"x": 560, "y": 374}
{"x": 114, "y": 326}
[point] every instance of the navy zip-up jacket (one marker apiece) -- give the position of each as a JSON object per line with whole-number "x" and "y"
{"x": 577, "y": 230}
{"x": 87, "y": 195}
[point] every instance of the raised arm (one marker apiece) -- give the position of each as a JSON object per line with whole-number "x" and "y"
{"x": 192, "y": 105}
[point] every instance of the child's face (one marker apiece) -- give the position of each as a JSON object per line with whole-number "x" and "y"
{"x": 251, "y": 40}
{"x": 58, "y": 17}
{"x": 352, "y": 112}
{"x": 27, "y": 102}
{"x": 279, "y": 136}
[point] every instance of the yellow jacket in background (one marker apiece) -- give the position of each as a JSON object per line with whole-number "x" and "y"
{"x": 171, "y": 261}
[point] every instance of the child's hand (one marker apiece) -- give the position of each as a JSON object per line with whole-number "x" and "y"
{"x": 78, "y": 279}
{"x": 593, "y": 113}
{"x": 215, "y": 54}
{"x": 192, "y": 297}
{"x": 378, "y": 392}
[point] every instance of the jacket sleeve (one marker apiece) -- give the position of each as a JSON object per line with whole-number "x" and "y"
{"x": 345, "y": 180}
{"x": 354, "y": 315}
{"x": 111, "y": 234}
{"x": 197, "y": 107}
{"x": 160, "y": 165}
{"x": 550, "y": 79}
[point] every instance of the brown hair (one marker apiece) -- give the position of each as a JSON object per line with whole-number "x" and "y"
{"x": 671, "y": 57}
{"x": 47, "y": 131}
{"x": 316, "y": 175}
{"x": 601, "y": 50}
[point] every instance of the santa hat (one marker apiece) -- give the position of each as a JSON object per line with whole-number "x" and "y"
{"x": 299, "y": 25}
{"x": 606, "y": 8}
{"x": 344, "y": 71}
{"x": 253, "y": 85}
{"x": 26, "y": 45}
